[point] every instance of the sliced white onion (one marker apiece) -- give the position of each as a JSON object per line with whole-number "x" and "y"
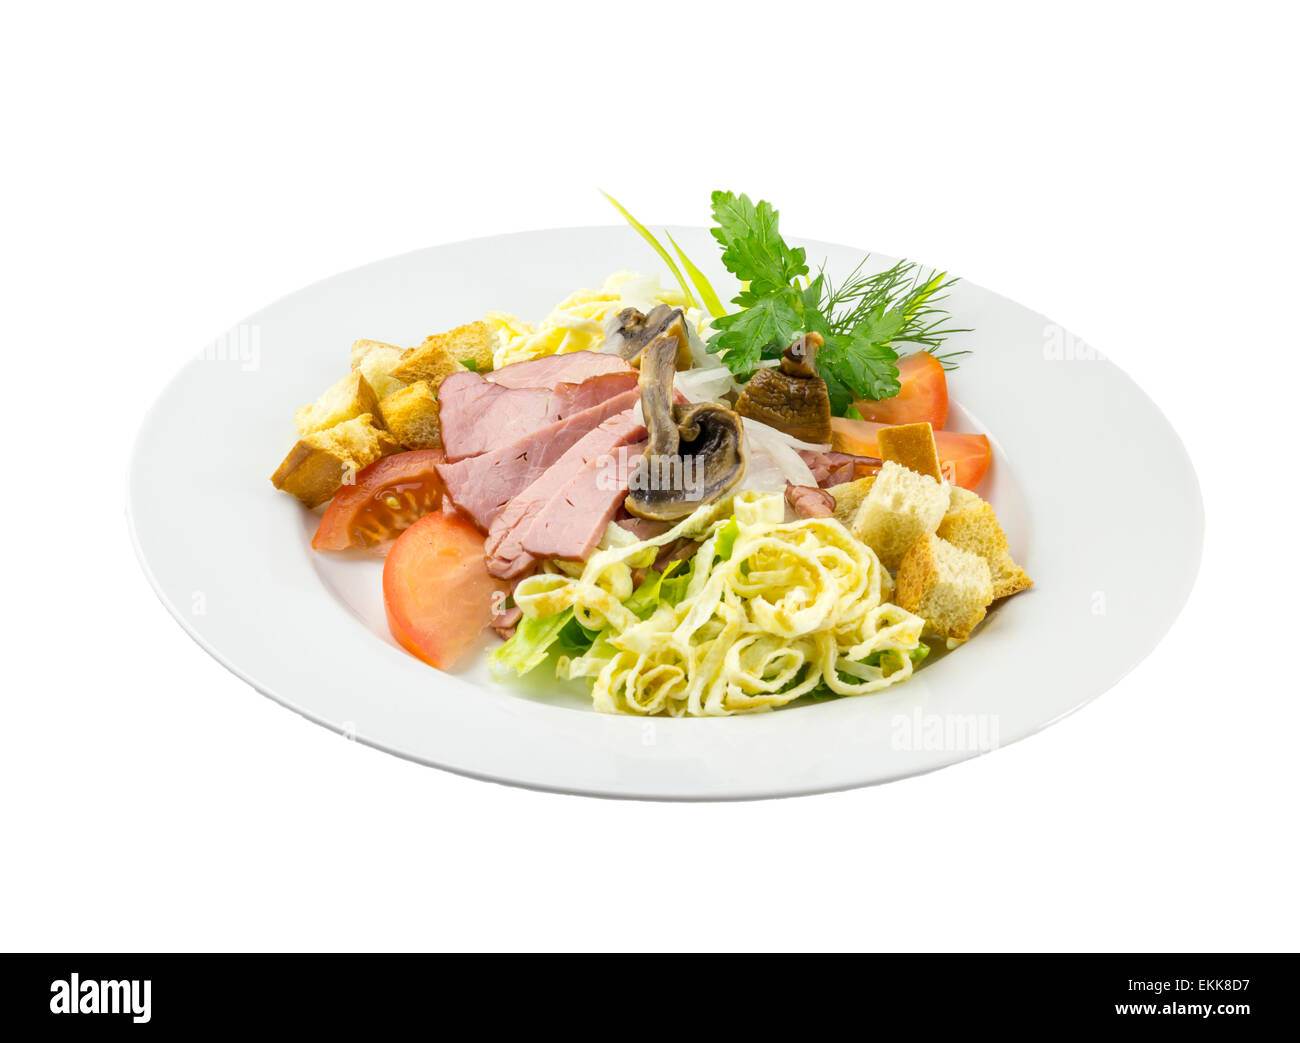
{"x": 771, "y": 433}
{"x": 706, "y": 383}
{"x": 639, "y": 292}
{"x": 774, "y": 460}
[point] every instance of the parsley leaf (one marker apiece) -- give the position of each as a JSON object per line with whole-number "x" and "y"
{"x": 840, "y": 395}
{"x": 863, "y": 359}
{"x": 752, "y": 247}
{"x": 860, "y": 363}
{"x": 767, "y": 321}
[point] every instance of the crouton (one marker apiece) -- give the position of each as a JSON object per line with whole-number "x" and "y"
{"x": 470, "y": 345}
{"x": 323, "y": 461}
{"x": 849, "y": 497}
{"x": 411, "y": 416}
{"x": 361, "y": 348}
{"x": 911, "y": 445}
{"x": 345, "y": 399}
{"x": 971, "y": 525}
{"x": 900, "y": 508}
{"x": 948, "y": 587}
{"x": 375, "y": 361}
{"x": 431, "y": 361}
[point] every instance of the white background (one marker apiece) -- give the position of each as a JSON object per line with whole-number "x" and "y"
{"x": 1127, "y": 169}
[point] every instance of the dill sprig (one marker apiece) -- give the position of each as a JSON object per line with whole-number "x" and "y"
{"x": 905, "y": 287}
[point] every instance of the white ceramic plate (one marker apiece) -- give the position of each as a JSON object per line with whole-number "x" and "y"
{"x": 1096, "y": 493}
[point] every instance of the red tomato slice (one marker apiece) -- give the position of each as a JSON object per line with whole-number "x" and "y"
{"x": 387, "y": 498}
{"x": 923, "y": 397}
{"x": 964, "y": 458}
{"x": 437, "y": 591}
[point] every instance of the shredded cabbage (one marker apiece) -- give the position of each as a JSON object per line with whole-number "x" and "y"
{"x": 766, "y": 612}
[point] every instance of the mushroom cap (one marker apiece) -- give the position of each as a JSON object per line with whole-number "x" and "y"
{"x": 792, "y": 397}
{"x": 695, "y": 453}
{"x": 631, "y": 331}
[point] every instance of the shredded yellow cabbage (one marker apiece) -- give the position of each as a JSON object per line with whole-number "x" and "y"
{"x": 793, "y": 607}
{"x": 577, "y": 323}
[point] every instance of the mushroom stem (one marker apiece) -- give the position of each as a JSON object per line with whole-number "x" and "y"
{"x": 658, "y": 363}
{"x": 695, "y": 453}
{"x": 800, "y": 358}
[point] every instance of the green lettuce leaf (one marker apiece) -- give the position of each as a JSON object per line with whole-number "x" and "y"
{"x": 528, "y": 646}
{"x": 677, "y": 577}
{"x": 645, "y": 599}
{"x": 726, "y": 541}
{"x": 574, "y": 638}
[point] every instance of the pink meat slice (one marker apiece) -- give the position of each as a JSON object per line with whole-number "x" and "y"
{"x": 837, "y": 468}
{"x": 574, "y": 519}
{"x": 577, "y": 494}
{"x": 477, "y": 416}
{"x": 808, "y": 501}
{"x": 643, "y": 528}
{"x": 481, "y": 486}
{"x": 573, "y": 368}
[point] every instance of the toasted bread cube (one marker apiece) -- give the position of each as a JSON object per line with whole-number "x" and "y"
{"x": 347, "y": 398}
{"x": 471, "y": 345}
{"x": 411, "y": 416}
{"x": 911, "y": 445}
{"x": 322, "y": 462}
{"x": 849, "y": 497}
{"x": 948, "y": 587}
{"x": 361, "y": 348}
{"x": 375, "y": 361}
{"x": 901, "y": 507}
{"x": 972, "y": 525}
{"x": 431, "y": 361}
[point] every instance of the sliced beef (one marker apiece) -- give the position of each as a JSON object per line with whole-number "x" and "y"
{"x": 577, "y": 484}
{"x": 679, "y": 550}
{"x": 643, "y": 528}
{"x": 838, "y": 468}
{"x": 505, "y": 621}
{"x": 481, "y": 486}
{"x": 574, "y": 519}
{"x": 471, "y": 411}
{"x": 573, "y": 368}
{"x": 809, "y": 501}
{"x": 477, "y": 416}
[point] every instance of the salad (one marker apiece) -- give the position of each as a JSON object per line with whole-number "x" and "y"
{"x": 696, "y": 508}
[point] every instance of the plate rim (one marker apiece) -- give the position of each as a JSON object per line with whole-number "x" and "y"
{"x": 228, "y": 660}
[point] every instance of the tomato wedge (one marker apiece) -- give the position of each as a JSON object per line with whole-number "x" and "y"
{"x": 437, "y": 591}
{"x": 964, "y": 458}
{"x": 388, "y": 497}
{"x": 923, "y": 397}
